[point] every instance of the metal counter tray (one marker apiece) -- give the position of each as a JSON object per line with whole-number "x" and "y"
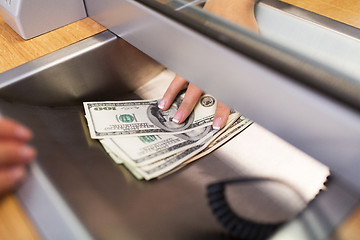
{"x": 76, "y": 191}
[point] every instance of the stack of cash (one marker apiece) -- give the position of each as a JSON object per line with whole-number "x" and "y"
{"x": 144, "y": 138}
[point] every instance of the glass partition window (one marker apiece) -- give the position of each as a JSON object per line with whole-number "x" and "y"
{"x": 192, "y": 12}
{"x": 296, "y": 42}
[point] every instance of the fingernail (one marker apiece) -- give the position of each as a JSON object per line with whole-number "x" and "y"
{"x": 161, "y": 104}
{"x": 177, "y": 117}
{"x": 17, "y": 172}
{"x": 23, "y": 133}
{"x": 217, "y": 123}
{"x": 27, "y": 152}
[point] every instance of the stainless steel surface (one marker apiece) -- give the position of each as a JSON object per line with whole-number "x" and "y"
{"x": 85, "y": 189}
{"x": 46, "y": 208}
{"x": 107, "y": 200}
{"x": 99, "y": 65}
{"x": 112, "y": 204}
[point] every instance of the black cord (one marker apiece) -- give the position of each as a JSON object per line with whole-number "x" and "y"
{"x": 239, "y": 227}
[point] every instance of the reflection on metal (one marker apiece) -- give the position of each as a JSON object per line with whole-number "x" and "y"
{"x": 84, "y": 70}
{"x": 192, "y": 3}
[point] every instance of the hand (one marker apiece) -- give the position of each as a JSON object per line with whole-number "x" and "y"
{"x": 240, "y": 12}
{"x": 14, "y": 153}
{"x": 192, "y": 96}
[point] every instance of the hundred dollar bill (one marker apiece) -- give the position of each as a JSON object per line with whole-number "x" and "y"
{"x": 134, "y": 171}
{"x": 111, "y": 153}
{"x": 119, "y": 159}
{"x": 143, "y": 117}
{"x": 143, "y": 150}
{"x": 163, "y": 166}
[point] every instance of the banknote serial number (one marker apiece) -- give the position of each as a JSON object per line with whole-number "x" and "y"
{"x": 104, "y": 108}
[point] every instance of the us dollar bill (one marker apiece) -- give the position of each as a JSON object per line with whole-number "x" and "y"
{"x": 143, "y": 117}
{"x": 165, "y": 165}
{"x": 143, "y": 150}
{"x": 118, "y": 158}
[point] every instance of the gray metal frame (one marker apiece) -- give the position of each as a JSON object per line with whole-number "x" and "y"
{"x": 48, "y": 210}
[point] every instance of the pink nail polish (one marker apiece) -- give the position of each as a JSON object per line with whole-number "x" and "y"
{"x": 161, "y": 104}
{"x": 216, "y": 127}
{"x": 217, "y": 123}
{"x": 177, "y": 117}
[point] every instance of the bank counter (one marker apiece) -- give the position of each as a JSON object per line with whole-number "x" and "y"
{"x": 297, "y": 80}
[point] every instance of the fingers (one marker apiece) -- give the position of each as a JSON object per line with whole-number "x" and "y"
{"x": 221, "y": 116}
{"x": 9, "y": 129}
{"x": 174, "y": 88}
{"x": 192, "y": 96}
{"x": 12, "y": 152}
{"x": 11, "y": 176}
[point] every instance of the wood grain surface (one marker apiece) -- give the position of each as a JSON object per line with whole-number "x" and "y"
{"x": 14, "y": 224}
{"x": 15, "y": 51}
{"x": 350, "y": 228}
{"x": 346, "y": 11}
